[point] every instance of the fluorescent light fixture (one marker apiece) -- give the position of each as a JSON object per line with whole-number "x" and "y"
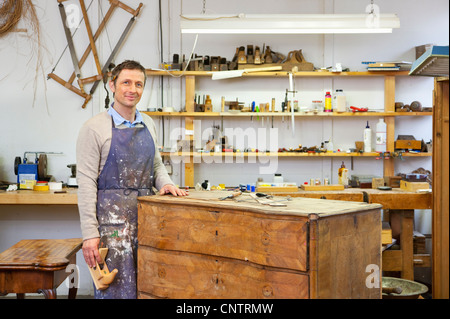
{"x": 289, "y": 23}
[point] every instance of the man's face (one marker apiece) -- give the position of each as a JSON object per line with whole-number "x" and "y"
{"x": 128, "y": 88}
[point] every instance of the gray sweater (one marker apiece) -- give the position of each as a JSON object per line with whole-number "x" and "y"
{"x": 93, "y": 144}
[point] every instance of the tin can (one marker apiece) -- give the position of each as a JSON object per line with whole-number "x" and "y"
{"x": 312, "y": 181}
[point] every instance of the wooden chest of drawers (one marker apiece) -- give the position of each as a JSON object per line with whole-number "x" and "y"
{"x": 201, "y": 247}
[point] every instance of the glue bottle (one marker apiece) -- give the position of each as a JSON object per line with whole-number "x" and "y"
{"x": 328, "y": 107}
{"x": 367, "y": 139}
{"x": 340, "y": 101}
{"x": 380, "y": 144}
{"x": 343, "y": 175}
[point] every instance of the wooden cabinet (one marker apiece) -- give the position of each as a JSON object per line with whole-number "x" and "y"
{"x": 201, "y": 247}
{"x": 389, "y": 115}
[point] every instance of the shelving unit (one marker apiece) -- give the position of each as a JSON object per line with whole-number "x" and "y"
{"x": 389, "y": 116}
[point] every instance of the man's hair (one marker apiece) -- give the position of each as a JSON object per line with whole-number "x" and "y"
{"x": 128, "y": 65}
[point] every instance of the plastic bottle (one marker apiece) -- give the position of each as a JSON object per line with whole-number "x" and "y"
{"x": 343, "y": 175}
{"x": 328, "y": 107}
{"x": 340, "y": 101}
{"x": 380, "y": 144}
{"x": 367, "y": 139}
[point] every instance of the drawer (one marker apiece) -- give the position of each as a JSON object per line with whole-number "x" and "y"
{"x": 269, "y": 240}
{"x": 171, "y": 274}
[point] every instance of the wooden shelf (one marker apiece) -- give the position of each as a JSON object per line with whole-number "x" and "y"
{"x": 283, "y": 154}
{"x": 389, "y": 114}
{"x": 282, "y": 73}
{"x": 278, "y": 114}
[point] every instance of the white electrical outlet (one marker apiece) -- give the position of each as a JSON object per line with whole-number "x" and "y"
{"x": 168, "y": 168}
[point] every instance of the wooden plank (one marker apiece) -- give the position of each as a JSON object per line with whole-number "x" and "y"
{"x": 440, "y": 223}
{"x": 275, "y": 189}
{"x": 392, "y": 260}
{"x": 30, "y": 197}
{"x": 322, "y": 187}
{"x": 413, "y": 186}
{"x": 348, "y": 245}
{"x": 189, "y": 125}
{"x": 169, "y": 274}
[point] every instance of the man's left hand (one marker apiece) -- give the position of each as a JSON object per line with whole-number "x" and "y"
{"x": 172, "y": 189}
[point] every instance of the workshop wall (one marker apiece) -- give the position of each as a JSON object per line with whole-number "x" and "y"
{"x": 41, "y": 115}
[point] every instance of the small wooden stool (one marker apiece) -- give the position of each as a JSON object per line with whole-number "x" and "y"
{"x": 38, "y": 266}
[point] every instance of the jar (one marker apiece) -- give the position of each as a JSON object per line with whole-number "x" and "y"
{"x": 317, "y": 106}
{"x": 278, "y": 178}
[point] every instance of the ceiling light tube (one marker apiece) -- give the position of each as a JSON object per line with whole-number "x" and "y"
{"x": 289, "y": 23}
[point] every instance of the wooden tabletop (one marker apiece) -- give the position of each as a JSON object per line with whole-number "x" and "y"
{"x": 30, "y": 197}
{"x": 392, "y": 199}
{"x": 40, "y": 254}
{"x": 295, "y": 206}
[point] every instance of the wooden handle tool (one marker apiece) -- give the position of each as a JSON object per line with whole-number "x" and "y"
{"x": 233, "y": 195}
{"x": 101, "y": 275}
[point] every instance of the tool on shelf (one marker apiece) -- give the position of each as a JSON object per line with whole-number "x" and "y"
{"x": 28, "y": 173}
{"x": 238, "y": 73}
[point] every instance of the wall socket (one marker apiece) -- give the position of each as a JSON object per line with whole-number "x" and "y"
{"x": 168, "y": 168}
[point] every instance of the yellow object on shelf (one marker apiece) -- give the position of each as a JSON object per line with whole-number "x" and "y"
{"x": 413, "y": 186}
{"x": 335, "y": 187}
{"x": 41, "y": 186}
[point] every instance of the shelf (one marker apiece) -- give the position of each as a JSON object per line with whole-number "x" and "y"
{"x": 282, "y": 73}
{"x": 296, "y": 114}
{"x": 282, "y": 154}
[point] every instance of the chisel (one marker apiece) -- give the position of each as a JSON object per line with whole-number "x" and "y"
{"x": 233, "y": 195}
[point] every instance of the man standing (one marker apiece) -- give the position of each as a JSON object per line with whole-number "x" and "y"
{"x": 117, "y": 161}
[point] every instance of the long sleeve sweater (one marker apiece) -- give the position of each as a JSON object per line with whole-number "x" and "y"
{"x": 93, "y": 144}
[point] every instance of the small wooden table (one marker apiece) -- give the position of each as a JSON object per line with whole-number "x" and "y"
{"x": 38, "y": 266}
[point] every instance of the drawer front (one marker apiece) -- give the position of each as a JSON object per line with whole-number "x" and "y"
{"x": 275, "y": 241}
{"x": 177, "y": 275}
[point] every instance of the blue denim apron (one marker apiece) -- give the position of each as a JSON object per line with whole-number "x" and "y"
{"x": 127, "y": 174}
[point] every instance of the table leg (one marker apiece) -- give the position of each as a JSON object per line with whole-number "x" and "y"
{"x": 402, "y": 223}
{"x": 48, "y": 293}
{"x": 72, "y": 293}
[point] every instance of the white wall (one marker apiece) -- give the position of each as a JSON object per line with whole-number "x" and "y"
{"x": 41, "y": 115}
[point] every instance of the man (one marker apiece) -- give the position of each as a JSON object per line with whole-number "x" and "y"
{"x": 117, "y": 161}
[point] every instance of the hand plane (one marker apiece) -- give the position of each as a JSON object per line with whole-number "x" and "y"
{"x": 100, "y": 273}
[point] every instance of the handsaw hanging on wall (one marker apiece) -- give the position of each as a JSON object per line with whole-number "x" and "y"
{"x": 102, "y": 72}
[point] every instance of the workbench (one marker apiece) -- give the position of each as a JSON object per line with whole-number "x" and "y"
{"x": 199, "y": 246}
{"x": 401, "y": 205}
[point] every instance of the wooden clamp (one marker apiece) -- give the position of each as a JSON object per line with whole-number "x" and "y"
{"x": 101, "y": 275}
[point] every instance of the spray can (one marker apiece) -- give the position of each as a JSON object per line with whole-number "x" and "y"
{"x": 328, "y": 107}
{"x": 343, "y": 175}
{"x": 367, "y": 139}
{"x": 380, "y": 144}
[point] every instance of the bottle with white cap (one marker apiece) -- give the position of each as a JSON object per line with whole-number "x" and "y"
{"x": 367, "y": 139}
{"x": 380, "y": 144}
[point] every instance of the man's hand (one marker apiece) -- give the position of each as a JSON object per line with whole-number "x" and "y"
{"x": 172, "y": 189}
{"x": 90, "y": 251}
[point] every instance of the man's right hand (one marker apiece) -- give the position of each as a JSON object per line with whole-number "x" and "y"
{"x": 90, "y": 251}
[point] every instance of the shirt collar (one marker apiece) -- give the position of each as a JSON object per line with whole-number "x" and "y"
{"x": 118, "y": 119}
